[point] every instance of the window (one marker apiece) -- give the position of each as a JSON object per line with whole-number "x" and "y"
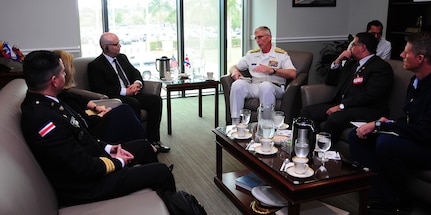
{"x": 148, "y": 30}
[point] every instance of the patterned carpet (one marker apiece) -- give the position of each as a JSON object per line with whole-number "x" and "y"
{"x": 193, "y": 155}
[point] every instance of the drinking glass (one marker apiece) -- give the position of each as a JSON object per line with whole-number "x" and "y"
{"x": 301, "y": 147}
{"x": 245, "y": 115}
{"x": 278, "y": 118}
{"x": 323, "y": 143}
{"x": 268, "y": 129}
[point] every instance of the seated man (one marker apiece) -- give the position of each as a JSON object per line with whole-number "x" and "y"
{"x": 80, "y": 168}
{"x": 112, "y": 74}
{"x": 394, "y": 157}
{"x": 269, "y": 68}
{"x": 363, "y": 87}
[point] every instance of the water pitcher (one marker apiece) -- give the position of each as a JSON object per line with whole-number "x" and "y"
{"x": 303, "y": 128}
{"x": 265, "y": 122}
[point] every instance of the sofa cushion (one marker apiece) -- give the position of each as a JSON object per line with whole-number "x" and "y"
{"x": 24, "y": 187}
{"x": 142, "y": 202}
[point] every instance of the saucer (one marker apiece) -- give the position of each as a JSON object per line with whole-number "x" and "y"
{"x": 291, "y": 171}
{"x": 258, "y": 150}
{"x": 248, "y": 135}
{"x": 283, "y": 126}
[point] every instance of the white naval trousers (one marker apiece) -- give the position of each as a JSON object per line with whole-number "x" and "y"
{"x": 267, "y": 92}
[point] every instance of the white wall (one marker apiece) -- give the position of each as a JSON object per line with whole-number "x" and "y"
{"x": 41, "y": 24}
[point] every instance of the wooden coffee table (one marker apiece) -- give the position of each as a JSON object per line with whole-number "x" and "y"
{"x": 342, "y": 178}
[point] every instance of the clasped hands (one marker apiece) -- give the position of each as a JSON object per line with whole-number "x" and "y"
{"x": 118, "y": 152}
{"x": 365, "y": 129}
{"x": 133, "y": 89}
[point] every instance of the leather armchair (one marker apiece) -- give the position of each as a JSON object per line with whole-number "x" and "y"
{"x": 419, "y": 184}
{"x": 291, "y": 101}
{"x": 83, "y": 87}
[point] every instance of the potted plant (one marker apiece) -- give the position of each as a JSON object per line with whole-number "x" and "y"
{"x": 329, "y": 53}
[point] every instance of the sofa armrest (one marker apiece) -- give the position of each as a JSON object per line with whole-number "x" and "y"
{"x": 226, "y": 83}
{"x": 316, "y": 94}
{"x": 108, "y": 103}
{"x": 291, "y": 103}
{"x": 88, "y": 94}
{"x": 152, "y": 87}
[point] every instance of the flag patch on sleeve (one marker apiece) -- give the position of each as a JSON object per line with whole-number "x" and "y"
{"x": 46, "y": 129}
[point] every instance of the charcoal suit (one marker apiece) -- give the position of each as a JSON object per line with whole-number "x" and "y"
{"x": 104, "y": 79}
{"x": 363, "y": 91}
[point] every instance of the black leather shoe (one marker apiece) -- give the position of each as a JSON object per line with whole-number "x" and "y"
{"x": 379, "y": 208}
{"x": 171, "y": 167}
{"x": 160, "y": 147}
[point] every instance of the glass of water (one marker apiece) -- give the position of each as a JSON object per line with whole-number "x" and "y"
{"x": 278, "y": 118}
{"x": 245, "y": 115}
{"x": 301, "y": 147}
{"x": 268, "y": 129}
{"x": 323, "y": 140}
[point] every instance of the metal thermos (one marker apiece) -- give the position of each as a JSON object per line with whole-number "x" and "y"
{"x": 163, "y": 66}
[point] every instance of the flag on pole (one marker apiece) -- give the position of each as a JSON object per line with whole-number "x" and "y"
{"x": 187, "y": 62}
{"x": 174, "y": 62}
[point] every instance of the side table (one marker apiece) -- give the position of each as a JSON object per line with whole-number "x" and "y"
{"x": 188, "y": 84}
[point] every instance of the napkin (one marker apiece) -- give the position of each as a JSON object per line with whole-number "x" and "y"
{"x": 333, "y": 155}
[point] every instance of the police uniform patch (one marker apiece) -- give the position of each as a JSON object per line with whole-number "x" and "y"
{"x": 273, "y": 62}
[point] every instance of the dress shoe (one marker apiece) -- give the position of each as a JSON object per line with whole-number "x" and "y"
{"x": 171, "y": 167}
{"x": 160, "y": 147}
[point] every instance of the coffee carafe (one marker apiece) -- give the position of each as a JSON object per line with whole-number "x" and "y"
{"x": 303, "y": 128}
{"x": 163, "y": 66}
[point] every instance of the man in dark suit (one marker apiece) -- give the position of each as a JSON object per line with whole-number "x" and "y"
{"x": 81, "y": 168}
{"x": 112, "y": 74}
{"x": 363, "y": 87}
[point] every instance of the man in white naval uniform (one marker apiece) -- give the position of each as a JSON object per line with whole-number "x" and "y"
{"x": 269, "y": 68}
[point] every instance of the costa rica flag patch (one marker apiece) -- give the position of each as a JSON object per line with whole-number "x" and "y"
{"x": 50, "y": 126}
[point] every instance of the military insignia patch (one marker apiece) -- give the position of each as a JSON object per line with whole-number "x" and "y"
{"x": 50, "y": 126}
{"x": 74, "y": 122}
{"x": 273, "y": 63}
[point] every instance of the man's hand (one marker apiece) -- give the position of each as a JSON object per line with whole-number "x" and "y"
{"x": 118, "y": 152}
{"x": 333, "y": 110}
{"x": 102, "y": 111}
{"x": 365, "y": 129}
{"x": 263, "y": 69}
{"x": 236, "y": 75}
{"x": 344, "y": 55}
{"x": 133, "y": 89}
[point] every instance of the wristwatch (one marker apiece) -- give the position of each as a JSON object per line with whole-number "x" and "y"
{"x": 341, "y": 106}
{"x": 377, "y": 124}
{"x": 275, "y": 71}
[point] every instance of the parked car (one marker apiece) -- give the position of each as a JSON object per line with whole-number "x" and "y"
{"x": 147, "y": 69}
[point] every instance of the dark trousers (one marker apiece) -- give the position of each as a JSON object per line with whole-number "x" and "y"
{"x": 393, "y": 158}
{"x": 153, "y": 105}
{"x": 340, "y": 120}
{"x": 119, "y": 125}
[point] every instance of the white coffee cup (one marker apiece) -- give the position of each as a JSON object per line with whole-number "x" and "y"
{"x": 210, "y": 75}
{"x": 267, "y": 144}
{"x": 241, "y": 129}
{"x": 301, "y": 165}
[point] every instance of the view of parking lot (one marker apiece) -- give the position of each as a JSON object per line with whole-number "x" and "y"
{"x": 148, "y": 30}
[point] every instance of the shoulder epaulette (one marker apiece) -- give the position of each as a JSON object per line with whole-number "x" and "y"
{"x": 254, "y": 50}
{"x": 278, "y": 50}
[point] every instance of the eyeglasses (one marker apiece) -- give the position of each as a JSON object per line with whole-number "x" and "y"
{"x": 114, "y": 44}
{"x": 376, "y": 33}
{"x": 260, "y": 37}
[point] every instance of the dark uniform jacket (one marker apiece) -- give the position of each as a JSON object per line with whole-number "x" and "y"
{"x": 416, "y": 124}
{"x": 103, "y": 78}
{"x": 369, "y": 87}
{"x": 71, "y": 158}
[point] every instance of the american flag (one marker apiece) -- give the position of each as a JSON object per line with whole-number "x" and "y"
{"x": 187, "y": 62}
{"x": 174, "y": 62}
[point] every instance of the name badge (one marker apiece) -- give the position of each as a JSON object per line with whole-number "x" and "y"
{"x": 358, "y": 80}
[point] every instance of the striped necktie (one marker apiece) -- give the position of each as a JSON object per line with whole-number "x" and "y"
{"x": 120, "y": 73}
